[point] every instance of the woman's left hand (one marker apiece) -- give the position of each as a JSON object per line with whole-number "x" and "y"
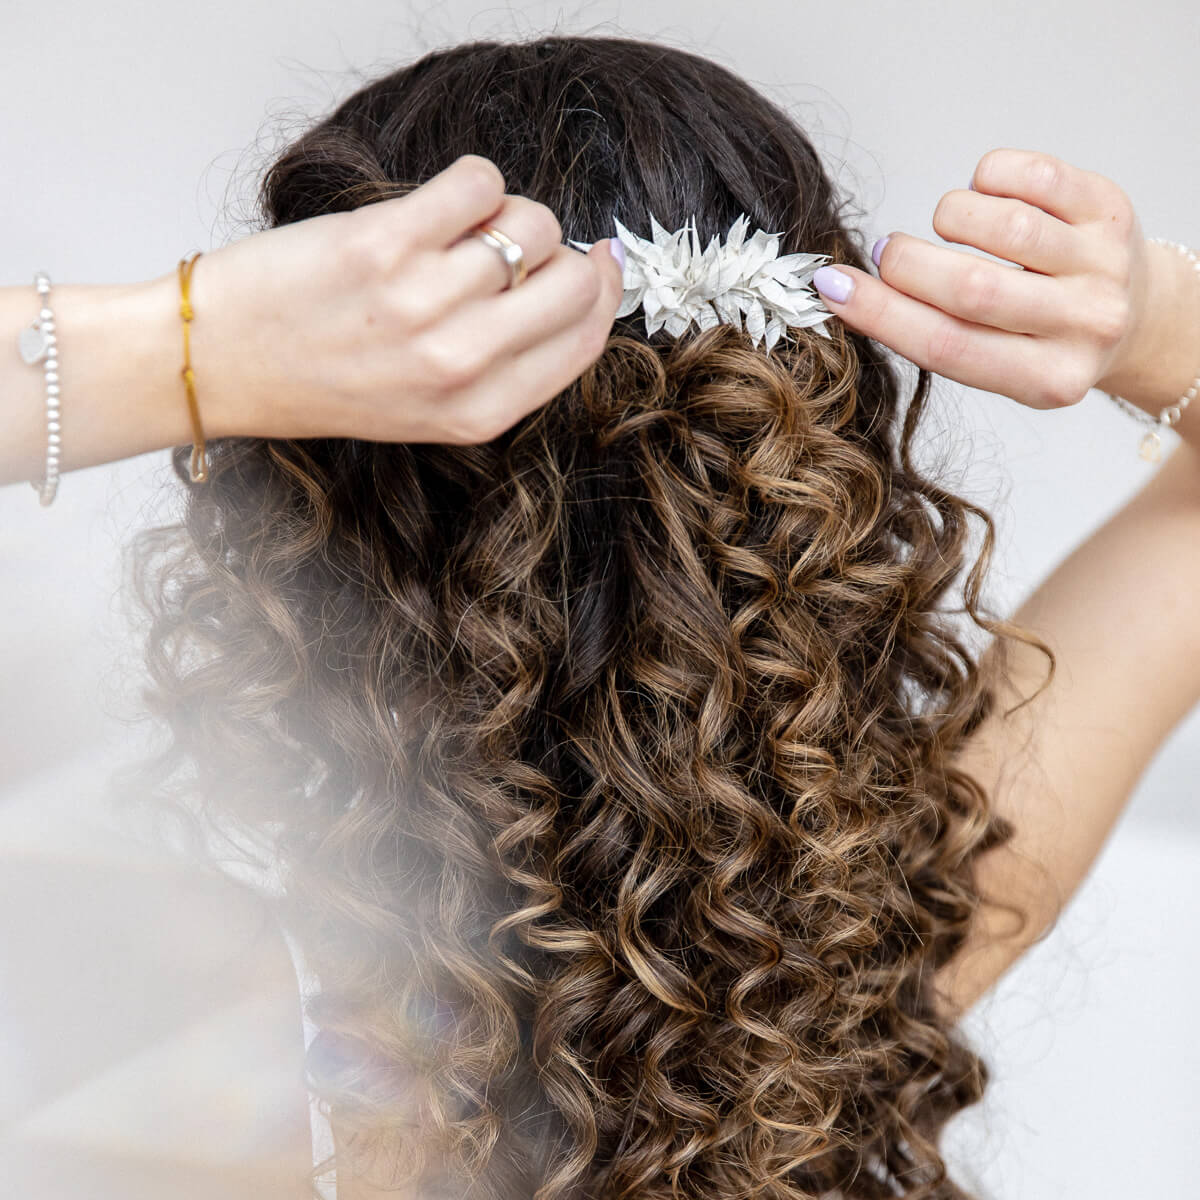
{"x": 1078, "y": 306}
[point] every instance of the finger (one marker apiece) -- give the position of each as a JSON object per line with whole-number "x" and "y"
{"x": 992, "y": 360}
{"x": 975, "y": 288}
{"x": 472, "y": 269}
{"x": 1013, "y": 230}
{"x": 1055, "y": 186}
{"x": 612, "y": 281}
{"x": 454, "y": 201}
{"x": 558, "y": 295}
{"x": 518, "y": 385}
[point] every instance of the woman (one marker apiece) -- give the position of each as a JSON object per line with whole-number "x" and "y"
{"x": 643, "y": 814}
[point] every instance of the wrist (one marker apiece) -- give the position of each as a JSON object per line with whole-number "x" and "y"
{"x": 153, "y": 308}
{"x": 221, "y": 358}
{"x": 115, "y": 371}
{"x": 121, "y": 351}
{"x": 120, "y": 359}
{"x": 1164, "y": 356}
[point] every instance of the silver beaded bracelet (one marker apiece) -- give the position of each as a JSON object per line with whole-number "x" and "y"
{"x": 37, "y": 342}
{"x": 1150, "y": 447}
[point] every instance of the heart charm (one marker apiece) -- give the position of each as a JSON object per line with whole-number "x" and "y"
{"x": 1151, "y": 447}
{"x": 32, "y": 343}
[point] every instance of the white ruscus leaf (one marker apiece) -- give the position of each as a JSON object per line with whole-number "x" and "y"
{"x": 679, "y": 285}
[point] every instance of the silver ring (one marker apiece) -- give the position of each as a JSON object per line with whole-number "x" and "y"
{"x": 508, "y": 250}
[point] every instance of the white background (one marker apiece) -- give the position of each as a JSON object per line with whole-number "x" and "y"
{"x": 132, "y": 136}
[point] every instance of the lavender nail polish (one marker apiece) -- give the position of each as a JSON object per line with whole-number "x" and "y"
{"x": 834, "y": 284}
{"x": 877, "y": 249}
{"x": 617, "y": 250}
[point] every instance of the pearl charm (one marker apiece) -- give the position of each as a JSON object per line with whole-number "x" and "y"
{"x": 32, "y": 344}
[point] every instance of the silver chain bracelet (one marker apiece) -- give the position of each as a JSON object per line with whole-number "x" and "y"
{"x": 39, "y": 342}
{"x": 1150, "y": 447}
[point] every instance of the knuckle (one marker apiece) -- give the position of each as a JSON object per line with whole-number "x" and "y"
{"x": 546, "y": 225}
{"x": 455, "y": 431}
{"x": 1020, "y": 228}
{"x": 1045, "y": 174}
{"x": 979, "y": 290}
{"x": 1047, "y": 395}
{"x": 454, "y": 428}
{"x": 946, "y": 346}
{"x": 449, "y": 367}
{"x": 1112, "y": 315}
{"x": 493, "y": 422}
{"x": 410, "y": 308}
{"x": 990, "y": 168}
{"x": 1065, "y": 387}
{"x": 367, "y": 254}
{"x": 480, "y": 176}
{"x": 480, "y": 423}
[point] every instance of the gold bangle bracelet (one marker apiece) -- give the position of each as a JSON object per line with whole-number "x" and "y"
{"x": 198, "y": 470}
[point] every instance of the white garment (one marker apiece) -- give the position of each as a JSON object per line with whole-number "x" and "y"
{"x": 322, "y": 1133}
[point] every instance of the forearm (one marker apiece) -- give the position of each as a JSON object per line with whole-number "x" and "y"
{"x": 120, "y": 351}
{"x": 1120, "y": 613}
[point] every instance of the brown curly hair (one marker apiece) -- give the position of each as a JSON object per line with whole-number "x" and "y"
{"x": 608, "y": 764}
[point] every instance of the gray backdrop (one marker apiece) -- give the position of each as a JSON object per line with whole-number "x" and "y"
{"x": 132, "y": 136}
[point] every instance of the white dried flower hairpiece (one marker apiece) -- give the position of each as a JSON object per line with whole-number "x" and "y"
{"x": 680, "y": 285}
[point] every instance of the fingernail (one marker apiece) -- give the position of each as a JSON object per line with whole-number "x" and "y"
{"x": 971, "y": 185}
{"x": 618, "y": 251}
{"x": 877, "y": 249}
{"x": 834, "y": 284}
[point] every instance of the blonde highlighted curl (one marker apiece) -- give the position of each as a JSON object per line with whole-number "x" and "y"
{"x": 608, "y": 764}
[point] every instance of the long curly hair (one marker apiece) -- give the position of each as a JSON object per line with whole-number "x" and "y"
{"x": 607, "y": 765}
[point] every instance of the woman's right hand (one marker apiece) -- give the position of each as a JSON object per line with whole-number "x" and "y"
{"x": 1089, "y": 309}
{"x": 390, "y": 323}
{"x": 386, "y": 323}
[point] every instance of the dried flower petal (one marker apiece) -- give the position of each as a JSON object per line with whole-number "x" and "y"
{"x": 679, "y": 285}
